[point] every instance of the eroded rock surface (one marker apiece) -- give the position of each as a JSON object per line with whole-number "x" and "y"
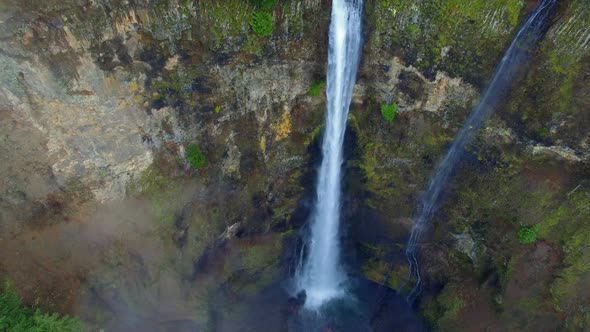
{"x": 100, "y": 101}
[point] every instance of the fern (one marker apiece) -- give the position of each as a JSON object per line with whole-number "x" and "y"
{"x": 15, "y": 317}
{"x": 261, "y": 23}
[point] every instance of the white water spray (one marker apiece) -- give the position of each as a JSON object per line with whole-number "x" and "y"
{"x": 321, "y": 275}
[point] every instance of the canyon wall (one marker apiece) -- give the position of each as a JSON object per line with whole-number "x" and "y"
{"x": 104, "y": 107}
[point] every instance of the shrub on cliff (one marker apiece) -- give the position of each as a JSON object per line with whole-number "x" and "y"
{"x": 316, "y": 88}
{"x": 261, "y": 23}
{"x": 16, "y": 317}
{"x": 389, "y": 111}
{"x": 194, "y": 156}
{"x": 527, "y": 234}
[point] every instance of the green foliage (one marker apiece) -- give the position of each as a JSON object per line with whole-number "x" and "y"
{"x": 451, "y": 302}
{"x": 413, "y": 32}
{"x": 475, "y": 32}
{"x": 18, "y": 318}
{"x": 225, "y": 19}
{"x": 194, "y": 156}
{"x": 175, "y": 88}
{"x": 380, "y": 271}
{"x": 558, "y": 76}
{"x": 528, "y": 234}
{"x": 389, "y": 111}
{"x": 256, "y": 264}
{"x": 151, "y": 182}
{"x": 542, "y": 132}
{"x": 567, "y": 226}
{"x": 316, "y": 88}
{"x": 314, "y": 135}
{"x": 265, "y": 4}
{"x": 262, "y": 23}
{"x": 443, "y": 310}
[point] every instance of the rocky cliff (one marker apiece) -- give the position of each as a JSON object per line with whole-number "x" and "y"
{"x": 159, "y": 157}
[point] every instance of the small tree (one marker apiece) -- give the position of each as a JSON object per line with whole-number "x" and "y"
{"x": 388, "y": 111}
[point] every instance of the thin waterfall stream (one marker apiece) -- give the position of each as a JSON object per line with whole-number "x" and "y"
{"x": 515, "y": 56}
{"x": 321, "y": 275}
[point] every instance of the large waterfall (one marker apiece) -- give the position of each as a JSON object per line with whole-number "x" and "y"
{"x": 505, "y": 73}
{"x": 321, "y": 274}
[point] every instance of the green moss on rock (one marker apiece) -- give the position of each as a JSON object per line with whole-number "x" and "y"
{"x": 567, "y": 228}
{"x": 443, "y": 310}
{"x": 255, "y": 264}
{"x": 462, "y": 37}
{"x": 195, "y": 157}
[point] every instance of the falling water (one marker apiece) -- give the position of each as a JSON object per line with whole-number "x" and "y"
{"x": 527, "y": 36}
{"x": 321, "y": 274}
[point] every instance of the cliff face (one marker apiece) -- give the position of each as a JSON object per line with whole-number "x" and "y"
{"x": 103, "y": 102}
{"x": 523, "y": 174}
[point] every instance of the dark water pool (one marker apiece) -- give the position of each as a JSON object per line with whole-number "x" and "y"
{"x": 368, "y": 307}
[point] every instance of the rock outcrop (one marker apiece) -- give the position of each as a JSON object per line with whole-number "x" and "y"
{"x": 100, "y": 101}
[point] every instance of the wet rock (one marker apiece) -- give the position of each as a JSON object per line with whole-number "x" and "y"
{"x": 411, "y": 84}
{"x": 556, "y": 152}
{"x": 231, "y": 164}
{"x": 465, "y": 244}
{"x": 230, "y": 232}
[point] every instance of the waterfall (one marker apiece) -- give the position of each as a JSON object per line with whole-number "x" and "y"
{"x": 527, "y": 36}
{"x": 321, "y": 275}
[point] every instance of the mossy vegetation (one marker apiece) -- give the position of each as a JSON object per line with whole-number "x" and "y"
{"x": 528, "y": 234}
{"x": 451, "y": 301}
{"x": 162, "y": 192}
{"x": 461, "y": 37}
{"x": 392, "y": 276}
{"x": 314, "y": 136}
{"x": 316, "y": 88}
{"x": 262, "y": 23}
{"x": 194, "y": 156}
{"x": 389, "y": 111}
{"x": 392, "y": 162}
{"x": 184, "y": 87}
{"x": 490, "y": 200}
{"x": 567, "y": 227}
{"x": 254, "y": 45}
{"x": 504, "y": 198}
{"x": 265, "y": 4}
{"x": 16, "y": 317}
{"x": 226, "y": 21}
{"x": 557, "y": 76}
{"x": 254, "y": 264}
{"x": 151, "y": 181}
{"x": 442, "y": 310}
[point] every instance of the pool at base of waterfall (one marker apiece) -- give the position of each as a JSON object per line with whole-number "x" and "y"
{"x": 366, "y": 307}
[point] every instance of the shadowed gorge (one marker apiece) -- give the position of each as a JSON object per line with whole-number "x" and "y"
{"x": 269, "y": 165}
